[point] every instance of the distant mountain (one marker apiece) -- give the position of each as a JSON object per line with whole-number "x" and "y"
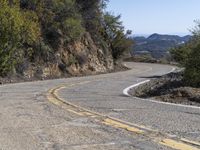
{"x": 157, "y": 44}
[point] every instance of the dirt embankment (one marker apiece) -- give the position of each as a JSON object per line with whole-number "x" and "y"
{"x": 169, "y": 88}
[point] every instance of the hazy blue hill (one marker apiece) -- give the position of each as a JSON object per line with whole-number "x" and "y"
{"x": 186, "y": 38}
{"x": 157, "y": 45}
{"x": 156, "y": 37}
{"x": 139, "y": 38}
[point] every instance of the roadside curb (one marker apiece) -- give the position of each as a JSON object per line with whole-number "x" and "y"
{"x": 126, "y": 90}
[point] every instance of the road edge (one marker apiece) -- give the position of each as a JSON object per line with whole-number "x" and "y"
{"x": 126, "y": 93}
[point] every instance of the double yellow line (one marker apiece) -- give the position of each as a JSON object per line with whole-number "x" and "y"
{"x": 157, "y": 137}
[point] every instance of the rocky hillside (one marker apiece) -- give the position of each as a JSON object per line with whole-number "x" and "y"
{"x": 77, "y": 58}
{"x": 54, "y": 38}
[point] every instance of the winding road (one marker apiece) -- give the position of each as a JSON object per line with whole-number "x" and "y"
{"x": 92, "y": 113}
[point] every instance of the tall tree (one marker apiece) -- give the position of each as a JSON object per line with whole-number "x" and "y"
{"x": 115, "y": 36}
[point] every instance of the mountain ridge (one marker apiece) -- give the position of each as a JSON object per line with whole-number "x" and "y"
{"x": 157, "y": 45}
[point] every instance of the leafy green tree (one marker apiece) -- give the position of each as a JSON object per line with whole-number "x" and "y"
{"x": 92, "y": 12}
{"x": 115, "y": 36}
{"x": 93, "y": 20}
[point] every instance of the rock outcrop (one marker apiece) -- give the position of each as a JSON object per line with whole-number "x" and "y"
{"x": 79, "y": 58}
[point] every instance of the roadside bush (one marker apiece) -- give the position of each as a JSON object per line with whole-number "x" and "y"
{"x": 180, "y": 54}
{"x": 192, "y": 68}
{"x": 188, "y": 55}
{"x": 42, "y": 52}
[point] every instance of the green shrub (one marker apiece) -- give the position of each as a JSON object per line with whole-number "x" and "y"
{"x": 192, "y": 68}
{"x": 188, "y": 55}
{"x": 16, "y": 29}
{"x": 73, "y": 29}
{"x": 43, "y": 52}
{"x": 72, "y": 60}
{"x": 180, "y": 54}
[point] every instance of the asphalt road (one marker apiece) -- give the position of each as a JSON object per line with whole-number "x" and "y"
{"x": 91, "y": 113}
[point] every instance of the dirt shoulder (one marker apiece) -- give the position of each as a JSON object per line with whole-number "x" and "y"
{"x": 168, "y": 88}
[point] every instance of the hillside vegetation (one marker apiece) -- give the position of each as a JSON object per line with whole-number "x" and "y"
{"x": 52, "y": 38}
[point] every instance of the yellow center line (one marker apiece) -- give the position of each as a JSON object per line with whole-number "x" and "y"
{"x": 163, "y": 139}
{"x": 191, "y": 142}
{"x": 73, "y": 111}
{"x": 177, "y": 145}
{"x": 117, "y": 124}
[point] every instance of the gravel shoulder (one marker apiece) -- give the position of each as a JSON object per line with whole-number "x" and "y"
{"x": 168, "y": 88}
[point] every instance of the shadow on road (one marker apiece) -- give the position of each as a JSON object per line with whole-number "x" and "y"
{"x": 150, "y": 77}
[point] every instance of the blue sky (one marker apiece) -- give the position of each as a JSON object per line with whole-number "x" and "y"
{"x": 157, "y": 16}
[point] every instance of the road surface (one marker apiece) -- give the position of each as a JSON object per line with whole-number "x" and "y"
{"x": 91, "y": 113}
